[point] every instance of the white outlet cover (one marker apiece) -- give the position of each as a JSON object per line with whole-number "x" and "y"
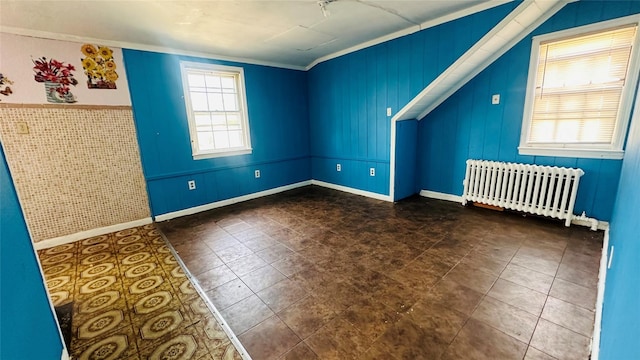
{"x": 191, "y": 184}
{"x": 338, "y": 167}
{"x": 257, "y": 173}
{"x": 495, "y": 99}
{"x": 372, "y": 171}
{"x": 388, "y": 111}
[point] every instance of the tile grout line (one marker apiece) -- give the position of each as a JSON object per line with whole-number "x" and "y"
{"x": 225, "y": 326}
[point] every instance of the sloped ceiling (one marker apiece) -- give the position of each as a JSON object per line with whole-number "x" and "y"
{"x": 286, "y": 33}
{"x": 514, "y": 27}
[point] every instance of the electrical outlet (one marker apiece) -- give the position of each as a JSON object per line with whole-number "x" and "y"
{"x": 257, "y": 173}
{"x": 495, "y": 99}
{"x": 338, "y": 167}
{"x": 388, "y": 111}
{"x": 192, "y": 184}
{"x": 372, "y": 172}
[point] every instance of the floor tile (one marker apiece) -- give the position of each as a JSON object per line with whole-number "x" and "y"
{"x": 535, "y": 354}
{"x": 571, "y": 274}
{"x": 215, "y": 277}
{"x": 281, "y": 295}
{"x": 246, "y": 264}
{"x": 560, "y": 342}
{"x": 470, "y": 277}
{"x": 201, "y": 263}
{"x": 454, "y": 296}
{"x": 528, "y": 278}
{"x": 269, "y": 339}
{"x": 574, "y": 293}
{"x": 337, "y": 340}
{"x": 229, "y": 254}
{"x": 519, "y": 296}
{"x": 371, "y": 317}
{"x": 228, "y": 294}
{"x": 300, "y": 352}
{"x": 336, "y": 260}
{"x": 512, "y": 321}
{"x": 571, "y": 316}
{"x": 246, "y": 313}
{"x": 306, "y": 316}
{"x": 262, "y": 278}
{"x": 274, "y": 253}
{"x": 478, "y": 341}
{"x": 442, "y": 321}
{"x": 406, "y": 340}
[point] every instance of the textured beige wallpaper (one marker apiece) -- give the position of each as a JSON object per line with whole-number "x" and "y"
{"x": 77, "y": 168}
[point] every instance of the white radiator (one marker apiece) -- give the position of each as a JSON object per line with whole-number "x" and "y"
{"x": 542, "y": 190}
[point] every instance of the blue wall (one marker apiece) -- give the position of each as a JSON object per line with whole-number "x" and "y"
{"x": 467, "y": 126}
{"x": 27, "y": 326}
{"x": 348, "y": 97}
{"x": 406, "y": 159}
{"x": 621, "y": 314}
{"x": 278, "y": 122}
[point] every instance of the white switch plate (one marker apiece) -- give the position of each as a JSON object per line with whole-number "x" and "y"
{"x": 495, "y": 99}
{"x": 191, "y": 184}
{"x": 389, "y": 111}
{"x": 372, "y": 172}
{"x": 338, "y": 167}
{"x": 257, "y": 173}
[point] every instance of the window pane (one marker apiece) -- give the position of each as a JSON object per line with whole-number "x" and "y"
{"x": 199, "y": 101}
{"x": 203, "y": 119}
{"x": 222, "y": 139}
{"x": 195, "y": 81}
{"x": 230, "y": 102}
{"x": 215, "y": 102}
{"x": 205, "y": 141}
{"x": 579, "y": 85}
{"x": 235, "y": 138}
{"x": 228, "y": 82}
{"x": 213, "y": 82}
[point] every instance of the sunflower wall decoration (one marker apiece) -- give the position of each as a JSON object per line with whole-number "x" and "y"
{"x": 99, "y": 66}
{"x": 4, "y": 86}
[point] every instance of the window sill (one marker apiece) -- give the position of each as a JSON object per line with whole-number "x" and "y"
{"x": 221, "y": 154}
{"x": 575, "y": 153}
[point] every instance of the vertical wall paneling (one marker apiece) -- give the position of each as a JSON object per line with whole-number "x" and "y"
{"x": 278, "y": 120}
{"x": 467, "y": 125}
{"x": 406, "y": 155}
{"x": 349, "y": 97}
{"x": 621, "y": 314}
{"x": 26, "y": 312}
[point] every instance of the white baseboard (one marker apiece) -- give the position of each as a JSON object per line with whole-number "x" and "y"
{"x": 65, "y": 355}
{"x": 45, "y": 244}
{"x": 221, "y": 203}
{"x": 352, "y": 190}
{"x": 602, "y": 277}
{"x": 441, "y": 196}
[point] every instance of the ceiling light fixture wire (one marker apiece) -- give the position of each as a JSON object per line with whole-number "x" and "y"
{"x": 323, "y": 7}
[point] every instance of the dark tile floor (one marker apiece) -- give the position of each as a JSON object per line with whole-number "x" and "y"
{"x": 315, "y": 273}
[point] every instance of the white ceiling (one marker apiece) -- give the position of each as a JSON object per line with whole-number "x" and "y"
{"x": 286, "y": 33}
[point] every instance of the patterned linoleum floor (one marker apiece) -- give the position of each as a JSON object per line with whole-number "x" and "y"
{"x": 132, "y": 300}
{"x": 319, "y": 274}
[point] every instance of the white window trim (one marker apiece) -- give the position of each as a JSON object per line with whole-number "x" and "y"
{"x": 613, "y": 151}
{"x": 242, "y": 93}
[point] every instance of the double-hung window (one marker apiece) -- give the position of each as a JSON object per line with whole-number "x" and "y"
{"x": 580, "y": 90}
{"x": 216, "y": 106}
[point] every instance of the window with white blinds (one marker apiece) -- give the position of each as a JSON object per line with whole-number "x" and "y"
{"x": 216, "y": 109}
{"x": 580, "y": 91}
